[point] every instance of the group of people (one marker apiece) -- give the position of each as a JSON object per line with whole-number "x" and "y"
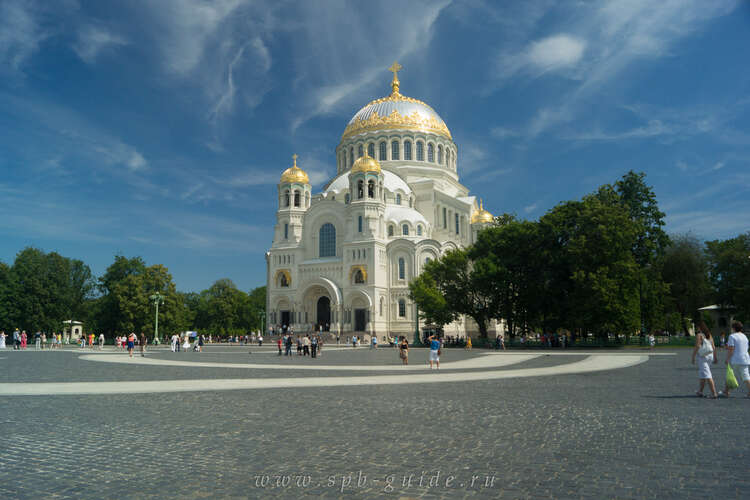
{"x": 183, "y": 342}
{"x": 706, "y": 354}
{"x": 307, "y": 345}
{"x": 20, "y": 340}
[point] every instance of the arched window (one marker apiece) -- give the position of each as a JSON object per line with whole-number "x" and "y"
{"x": 401, "y": 269}
{"x": 405, "y": 230}
{"x": 359, "y": 224}
{"x": 407, "y": 150}
{"x": 371, "y": 150}
{"x": 394, "y": 150}
{"x": 398, "y": 199}
{"x": 420, "y": 151}
{"x": 419, "y": 230}
{"x": 359, "y": 278}
{"x": 360, "y": 151}
{"x": 383, "y": 151}
{"x": 431, "y": 153}
{"x": 371, "y": 189}
{"x": 401, "y": 308}
{"x": 390, "y": 230}
{"x": 286, "y": 231}
{"x": 346, "y": 198}
{"x": 296, "y": 198}
{"x": 327, "y": 240}
{"x": 448, "y": 157}
{"x": 360, "y": 190}
{"x": 351, "y": 156}
{"x": 286, "y": 198}
{"x": 440, "y": 155}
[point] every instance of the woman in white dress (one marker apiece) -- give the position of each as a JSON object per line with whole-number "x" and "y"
{"x": 737, "y": 356}
{"x": 705, "y": 351}
{"x": 2, "y": 340}
{"x": 186, "y": 345}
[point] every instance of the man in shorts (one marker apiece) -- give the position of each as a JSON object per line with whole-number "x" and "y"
{"x": 434, "y": 351}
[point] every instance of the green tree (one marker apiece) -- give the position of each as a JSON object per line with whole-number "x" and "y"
{"x": 465, "y": 287}
{"x": 650, "y": 243}
{"x": 517, "y": 269}
{"x": 729, "y": 271}
{"x": 685, "y": 270}
{"x": 6, "y": 290}
{"x": 593, "y": 273}
{"x": 256, "y": 307}
{"x": 433, "y": 307}
{"x": 47, "y": 289}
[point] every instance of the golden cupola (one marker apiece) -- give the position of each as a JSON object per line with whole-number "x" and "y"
{"x": 366, "y": 164}
{"x": 294, "y": 174}
{"x": 396, "y": 112}
{"x": 482, "y": 216}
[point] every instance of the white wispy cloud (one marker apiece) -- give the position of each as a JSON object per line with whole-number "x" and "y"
{"x": 337, "y": 71}
{"x": 20, "y": 33}
{"x": 92, "y": 40}
{"x": 596, "y": 43}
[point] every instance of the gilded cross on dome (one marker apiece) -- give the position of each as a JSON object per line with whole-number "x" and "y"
{"x": 395, "y": 68}
{"x": 294, "y": 157}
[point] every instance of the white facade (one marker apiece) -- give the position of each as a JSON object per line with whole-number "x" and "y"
{"x": 341, "y": 260}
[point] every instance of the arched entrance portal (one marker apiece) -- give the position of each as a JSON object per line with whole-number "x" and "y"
{"x": 323, "y": 315}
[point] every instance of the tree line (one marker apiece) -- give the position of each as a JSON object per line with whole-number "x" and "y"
{"x": 599, "y": 265}
{"x": 41, "y": 289}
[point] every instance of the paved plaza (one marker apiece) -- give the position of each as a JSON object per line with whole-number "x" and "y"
{"x": 354, "y": 423}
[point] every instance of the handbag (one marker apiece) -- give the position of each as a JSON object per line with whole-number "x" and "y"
{"x": 731, "y": 379}
{"x": 706, "y": 349}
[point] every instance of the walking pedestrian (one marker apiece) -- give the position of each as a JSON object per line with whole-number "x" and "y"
{"x": 314, "y": 346}
{"x": 24, "y": 339}
{"x": 2, "y": 339}
{"x": 44, "y": 340}
{"x": 306, "y": 345}
{"x": 705, "y": 350}
{"x": 737, "y": 356}
{"x": 131, "y": 343}
{"x": 201, "y": 341}
{"x": 16, "y": 339}
{"x": 278, "y": 343}
{"x": 101, "y": 341}
{"x": 143, "y": 342}
{"x": 403, "y": 350}
{"x": 37, "y": 340}
{"x": 374, "y": 342}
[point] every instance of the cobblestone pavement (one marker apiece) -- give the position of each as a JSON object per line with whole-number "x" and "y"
{"x": 636, "y": 432}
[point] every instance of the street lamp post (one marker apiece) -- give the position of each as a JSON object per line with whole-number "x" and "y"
{"x": 157, "y": 299}
{"x": 417, "y": 340}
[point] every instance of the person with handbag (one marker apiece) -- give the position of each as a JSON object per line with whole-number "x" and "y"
{"x": 737, "y": 356}
{"x": 705, "y": 350}
{"x": 403, "y": 350}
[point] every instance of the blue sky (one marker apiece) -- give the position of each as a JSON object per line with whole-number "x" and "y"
{"x": 160, "y": 128}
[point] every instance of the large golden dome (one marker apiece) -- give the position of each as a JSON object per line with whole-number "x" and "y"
{"x": 366, "y": 164}
{"x": 482, "y": 216}
{"x": 295, "y": 174}
{"x": 398, "y": 112}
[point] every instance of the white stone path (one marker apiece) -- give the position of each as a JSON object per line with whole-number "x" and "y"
{"x": 593, "y": 363}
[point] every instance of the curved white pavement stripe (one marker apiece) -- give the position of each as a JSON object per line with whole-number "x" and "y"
{"x": 478, "y": 362}
{"x": 590, "y": 364}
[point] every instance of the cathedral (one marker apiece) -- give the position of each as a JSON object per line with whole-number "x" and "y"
{"x": 341, "y": 260}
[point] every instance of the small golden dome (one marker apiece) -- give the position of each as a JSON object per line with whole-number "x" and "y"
{"x": 482, "y": 216}
{"x": 295, "y": 174}
{"x": 366, "y": 164}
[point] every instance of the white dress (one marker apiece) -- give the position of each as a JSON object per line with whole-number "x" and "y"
{"x": 704, "y": 364}
{"x": 2, "y": 341}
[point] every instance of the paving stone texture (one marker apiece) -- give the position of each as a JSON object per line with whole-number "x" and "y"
{"x": 636, "y": 432}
